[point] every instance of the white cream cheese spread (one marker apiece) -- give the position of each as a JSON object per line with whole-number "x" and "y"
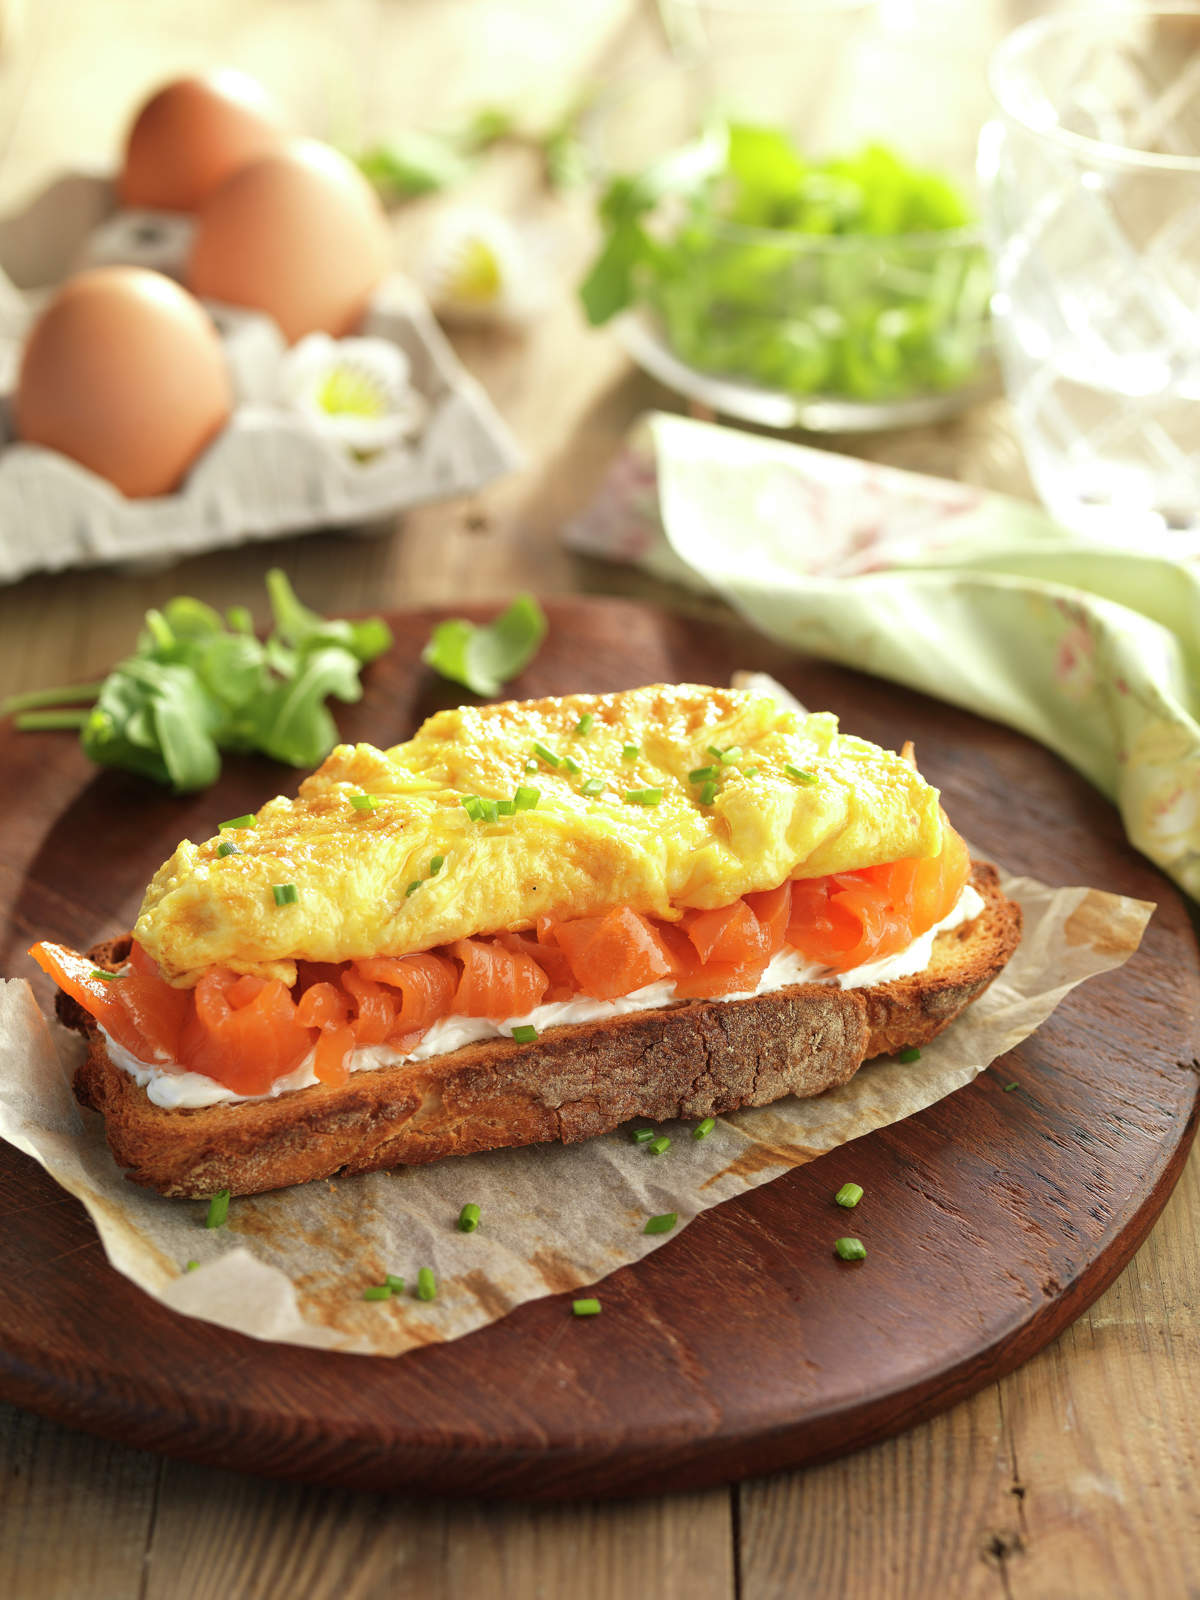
{"x": 167, "y": 1085}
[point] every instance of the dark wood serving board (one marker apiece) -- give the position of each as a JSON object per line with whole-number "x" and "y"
{"x": 742, "y": 1346}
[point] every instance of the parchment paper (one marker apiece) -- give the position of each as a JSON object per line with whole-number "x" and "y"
{"x": 292, "y": 1265}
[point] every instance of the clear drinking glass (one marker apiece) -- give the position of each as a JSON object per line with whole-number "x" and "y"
{"x": 1091, "y": 175}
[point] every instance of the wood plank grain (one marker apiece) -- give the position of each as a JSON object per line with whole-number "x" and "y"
{"x": 1103, "y": 1430}
{"x": 75, "y": 1512}
{"x": 218, "y": 1534}
{"x": 901, "y": 1519}
{"x": 85, "y": 1519}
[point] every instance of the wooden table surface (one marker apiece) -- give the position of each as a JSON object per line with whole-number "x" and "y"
{"x": 1076, "y": 1476}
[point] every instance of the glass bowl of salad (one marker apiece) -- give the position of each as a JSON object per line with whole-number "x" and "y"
{"x": 795, "y": 260}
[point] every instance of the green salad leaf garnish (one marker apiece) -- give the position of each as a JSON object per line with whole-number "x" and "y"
{"x": 845, "y": 277}
{"x": 483, "y": 657}
{"x": 199, "y": 683}
{"x": 411, "y": 162}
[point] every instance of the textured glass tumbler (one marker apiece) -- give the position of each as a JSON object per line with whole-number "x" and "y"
{"x": 1091, "y": 177}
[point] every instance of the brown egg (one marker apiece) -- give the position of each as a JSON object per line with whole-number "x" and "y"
{"x": 299, "y": 235}
{"x": 189, "y": 137}
{"x": 124, "y": 372}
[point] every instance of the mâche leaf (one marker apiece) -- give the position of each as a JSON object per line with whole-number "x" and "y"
{"x": 154, "y": 718}
{"x": 232, "y": 667}
{"x": 413, "y": 163}
{"x": 484, "y": 657}
{"x": 304, "y": 629}
{"x": 199, "y": 684}
{"x": 292, "y": 723}
{"x": 609, "y": 287}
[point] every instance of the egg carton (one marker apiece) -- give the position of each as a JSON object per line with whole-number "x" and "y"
{"x": 270, "y": 472}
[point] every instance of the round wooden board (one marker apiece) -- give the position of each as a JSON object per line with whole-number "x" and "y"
{"x": 994, "y": 1218}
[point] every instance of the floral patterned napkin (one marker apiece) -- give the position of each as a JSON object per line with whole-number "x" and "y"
{"x": 971, "y": 597}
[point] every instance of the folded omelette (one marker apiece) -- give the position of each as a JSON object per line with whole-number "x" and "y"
{"x": 661, "y": 798}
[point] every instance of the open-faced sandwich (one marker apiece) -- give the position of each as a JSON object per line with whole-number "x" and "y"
{"x": 531, "y": 922}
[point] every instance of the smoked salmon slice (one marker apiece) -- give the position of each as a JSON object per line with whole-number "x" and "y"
{"x": 615, "y": 954}
{"x": 495, "y": 982}
{"x": 426, "y": 983}
{"x": 247, "y": 1031}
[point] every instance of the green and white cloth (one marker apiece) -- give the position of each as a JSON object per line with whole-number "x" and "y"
{"x": 974, "y": 598}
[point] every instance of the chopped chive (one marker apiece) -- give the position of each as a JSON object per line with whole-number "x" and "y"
{"x": 106, "y": 977}
{"x": 248, "y": 821}
{"x": 395, "y": 1284}
{"x": 218, "y": 1209}
{"x": 709, "y": 793}
{"x": 592, "y": 786}
{"x": 703, "y": 1129}
{"x": 657, "y": 1146}
{"x": 643, "y": 1135}
{"x": 531, "y": 766}
{"x": 643, "y": 797}
{"x": 850, "y": 1249}
{"x": 631, "y": 752}
{"x": 584, "y": 725}
{"x": 750, "y": 771}
{"x": 571, "y": 765}
{"x": 426, "y": 1284}
{"x": 526, "y": 799}
{"x": 547, "y": 756}
{"x": 715, "y": 752}
{"x": 49, "y": 697}
{"x": 701, "y": 774}
{"x": 505, "y": 808}
{"x": 909, "y": 1053}
{"x": 585, "y": 1308}
{"x": 473, "y": 806}
{"x": 849, "y": 1195}
{"x": 378, "y": 1291}
{"x": 191, "y": 1266}
{"x": 45, "y": 721}
{"x": 799, "y": 774}
{"x": 732, "y": 752}
{"x": 363, "y": 802}
{"x": 286, "y": 894}
{"x": 1008, "y": 1088}
{"x": 468, "y": 1218}
{"x": 413, "y": 887}
{"x": 491, "y": 810}
{"x": 525, "y": 1034}
{"x": 436, "y": 865}
{"x": 661, "y": 1224}
{"x": 228, "y": 848}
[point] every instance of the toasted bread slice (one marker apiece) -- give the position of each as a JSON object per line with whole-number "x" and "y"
{"x": 697, "y": 1059}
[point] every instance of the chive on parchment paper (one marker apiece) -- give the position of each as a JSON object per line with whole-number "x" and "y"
{"x": 971, "y": 597}
{"x": 291, "y": 1266}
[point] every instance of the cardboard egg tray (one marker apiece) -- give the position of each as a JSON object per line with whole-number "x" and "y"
{"x": 269, "y": 472}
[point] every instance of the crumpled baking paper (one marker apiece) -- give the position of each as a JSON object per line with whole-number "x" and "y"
{"x": 292, "y": 1265}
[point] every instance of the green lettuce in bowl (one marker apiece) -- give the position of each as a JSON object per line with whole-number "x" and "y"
{"x": 861, "y": 280}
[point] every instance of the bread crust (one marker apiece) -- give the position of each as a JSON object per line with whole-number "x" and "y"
{"x": 698, "y": 1059}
